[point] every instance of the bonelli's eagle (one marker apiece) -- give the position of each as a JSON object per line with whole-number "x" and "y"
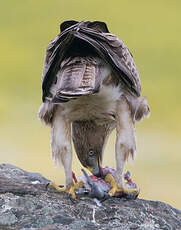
{"x": 90, "y": 81}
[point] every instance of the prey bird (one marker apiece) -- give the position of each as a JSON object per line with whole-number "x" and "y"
{"x": 90, "y": 82}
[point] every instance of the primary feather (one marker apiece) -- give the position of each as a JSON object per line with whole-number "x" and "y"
{"x": 90, "y": 39}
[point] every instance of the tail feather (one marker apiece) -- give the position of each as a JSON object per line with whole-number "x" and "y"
{"x": 79, "y": 76}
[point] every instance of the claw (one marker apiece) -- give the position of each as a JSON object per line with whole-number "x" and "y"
{"x": 47, "y": 185}
{"x": 50, "y": 184}
{"x": 70, "y": 197}
{"x": 53, "y": 185}
{"x": 128, "y": 193}
{"x": 106, "y": 197}
{"x": 131, "y": 196}
{"x": 70, "y": 191}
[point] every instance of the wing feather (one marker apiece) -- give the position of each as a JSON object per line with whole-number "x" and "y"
{"x": 106, "y": 46}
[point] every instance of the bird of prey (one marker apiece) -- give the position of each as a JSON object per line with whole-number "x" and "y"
{"x": 90, "y": 82}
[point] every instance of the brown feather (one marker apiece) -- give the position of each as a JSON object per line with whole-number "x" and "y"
{"x": 78, "y": 76}
{"x": 86, "y": 135}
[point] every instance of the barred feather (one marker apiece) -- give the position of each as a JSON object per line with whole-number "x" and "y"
{"x": 79, "y": 76}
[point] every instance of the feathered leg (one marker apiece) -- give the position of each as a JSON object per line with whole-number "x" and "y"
{"x": 61, "y": 144}
{"x": 125, "y": 146}
{"x": 62, "y": 150}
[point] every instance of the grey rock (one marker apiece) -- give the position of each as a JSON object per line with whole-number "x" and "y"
{"x": 26, "y": 204}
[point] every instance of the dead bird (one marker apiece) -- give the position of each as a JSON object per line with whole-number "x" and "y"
{"x": 99, "y": 187}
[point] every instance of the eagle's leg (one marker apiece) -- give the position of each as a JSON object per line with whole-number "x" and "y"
{"x": 70, "y": 191}
{"x": 114, "y": 188}
{"x": 61, "y": 149}
{"x": 125, "y": 146}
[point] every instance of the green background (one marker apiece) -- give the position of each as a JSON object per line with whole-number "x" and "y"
{"x": 150, "y": 29}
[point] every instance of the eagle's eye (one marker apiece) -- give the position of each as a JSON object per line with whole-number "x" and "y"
{"x": 91, "y": 152}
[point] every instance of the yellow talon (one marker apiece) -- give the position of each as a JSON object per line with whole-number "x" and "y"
{"x": 53, "y": 185}
{"x": 114, "y": 188}
{"x": 110, "y": 179}
{"x": 74, "y": 187}
{"x": 129, "y": 191}
{"x": 70, "y": 190}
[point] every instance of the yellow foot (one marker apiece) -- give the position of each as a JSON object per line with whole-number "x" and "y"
{"x": 130, "y": 193}
{"x": 70, "y": 191}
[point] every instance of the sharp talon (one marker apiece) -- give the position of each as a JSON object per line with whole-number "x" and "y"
{"x": 70, "y": 191}
{"x": 61, "y": 186}
{"x": 53, "y": 185}
{"x": 71, "y": 198}
{"x": 131, "y": 196}
{"x": 46, "y": 187}
{"x": 137, "y": 195}
{"x": 106, "y": 197}
{"x": 128, "y": 193}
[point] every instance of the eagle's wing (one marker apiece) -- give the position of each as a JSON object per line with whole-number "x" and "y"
{"x": 113, "y": 51}
{"x": 78, "y": 76}
{"x": 107, "y": 46}
{"x": 123, "y": 59}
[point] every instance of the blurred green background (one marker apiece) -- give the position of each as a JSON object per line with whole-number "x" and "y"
{"x": 151, "y": 30}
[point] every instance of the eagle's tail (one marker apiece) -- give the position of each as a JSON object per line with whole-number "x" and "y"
{"x": 78, "y": 76}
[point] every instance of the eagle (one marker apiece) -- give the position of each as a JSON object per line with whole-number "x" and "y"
{"x": 91, "y": 86}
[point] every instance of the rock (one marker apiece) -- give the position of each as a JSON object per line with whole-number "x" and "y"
{"x": 26, "y": 204}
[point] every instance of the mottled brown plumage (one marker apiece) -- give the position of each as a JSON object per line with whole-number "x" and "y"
{"x": 90, "y": 81}
{"x": 89, "y": 139}
{"x": 90, "y": 39}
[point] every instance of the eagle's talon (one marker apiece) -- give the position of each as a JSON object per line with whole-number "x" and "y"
{"x": 131, "y": 196}
{"x": 60, "y": 189}
{"x": 70, "y": 191}
{"x": 47, "y": 185}
{"x": 106, "y": 197}
{"x": 71, "y": 198}
{"x": 127, "y": 193}
{"x": 60, "y": 186}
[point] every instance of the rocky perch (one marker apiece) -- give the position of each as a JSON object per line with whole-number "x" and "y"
{"x": 26, "y": 204}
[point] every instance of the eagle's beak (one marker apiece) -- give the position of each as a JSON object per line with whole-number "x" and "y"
{"x": 96, "y": 170}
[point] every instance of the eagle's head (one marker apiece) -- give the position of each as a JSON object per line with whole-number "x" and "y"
{"x": 89, "y": 139}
